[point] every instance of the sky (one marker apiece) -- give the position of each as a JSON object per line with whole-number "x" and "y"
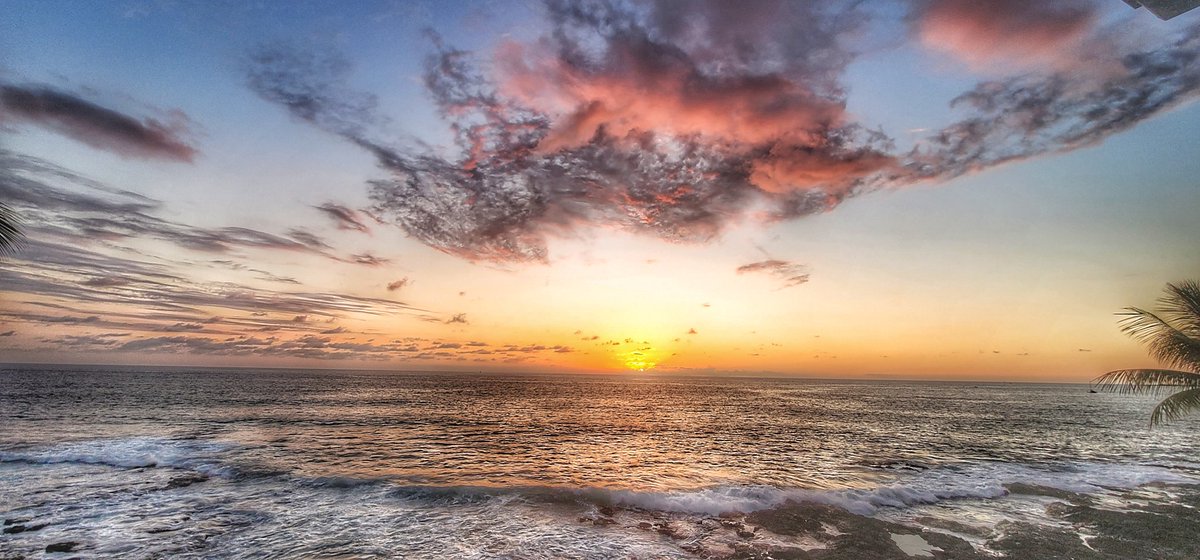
{"x": 941, "y": 189}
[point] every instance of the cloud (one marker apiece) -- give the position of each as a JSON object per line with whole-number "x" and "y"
{"x": 307, "y": 238}
{"x": 60, "y": 203}
{"x": 1013, "y": 33}
{"x": 398, "y": 284}
{"x": 368, "y": 259}
{"x": 460, "y": 318}
{"x": 530, "y": 167}
{"x": 344, "y": 217}
{"x": 184, "y": 327}
{"x": 106, "y": 281}
{"x": 308, "y": 346}
{"x": 677, "y": 120}
{"x": 8, "y": 333}
{"x": 1032, "y": 114}
{"x": 97, "y": 126}
{"x": 159, "y": 297}
{"x": 791, "y": 274}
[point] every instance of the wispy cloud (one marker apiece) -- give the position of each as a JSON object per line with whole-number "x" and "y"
{"x": 368, "y": 259}
{"x": 791, "y": 274}
{"x": 344, "y": 217}
{"x": 398, "y": 284}
{"x": 62, "y": 204}
{"x": 98, "y": 126}
{"x": 307, "y": 346}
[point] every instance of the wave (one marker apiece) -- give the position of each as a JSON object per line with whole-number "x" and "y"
{"x": 930, "y": 487}
{"x": 133, "y": 452}
{"x": 982, "y": 481}
{"x": 985, "y": 481}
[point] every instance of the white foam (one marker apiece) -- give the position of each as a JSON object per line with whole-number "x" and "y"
{"x": 985, "y": 481}
{"x": 124, "y": 452}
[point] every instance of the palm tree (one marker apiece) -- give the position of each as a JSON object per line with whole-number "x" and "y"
{"x": 10, "y": 230}
{"x": 1172, "y": 333}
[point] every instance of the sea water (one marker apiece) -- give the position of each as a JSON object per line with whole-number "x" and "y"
{"x": 212, "y": 463}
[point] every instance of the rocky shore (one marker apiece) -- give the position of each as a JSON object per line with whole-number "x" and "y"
{"x": 1145, "y": 527}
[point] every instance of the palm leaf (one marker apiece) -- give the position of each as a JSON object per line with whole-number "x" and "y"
{"x": 1146, "y": 380}
{"x": 1181, "y": 306}
{"x": 1167, "y": 343}
{"x": 1175, "y": 406}
{"x": 10, "y": 228}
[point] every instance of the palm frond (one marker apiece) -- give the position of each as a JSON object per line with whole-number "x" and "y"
{"x": 1175, "y": 406}
{"x": 1146, "y": 380}
{"x": 10, "y": 228}
{"x": 1169, "y": 345}
{"x": 1181, "y": 306}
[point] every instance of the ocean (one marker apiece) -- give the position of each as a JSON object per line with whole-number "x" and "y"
{"x": 118, "y": 462}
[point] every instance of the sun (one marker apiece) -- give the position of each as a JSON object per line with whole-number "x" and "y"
{"x": 639, "y": 360}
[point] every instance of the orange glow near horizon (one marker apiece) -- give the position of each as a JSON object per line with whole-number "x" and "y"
{"x": 696, "y": 198}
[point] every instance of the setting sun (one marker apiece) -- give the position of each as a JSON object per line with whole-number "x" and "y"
{"x": 640, "y": 360}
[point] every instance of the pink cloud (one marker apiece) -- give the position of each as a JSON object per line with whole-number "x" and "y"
{"x": 1010, "y": 33}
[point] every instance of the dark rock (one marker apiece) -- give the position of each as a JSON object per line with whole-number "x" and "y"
{"x": 185, "y": 480}
{"x": 24, "y": 528}
{"x": 645, "y": 526}
{"x": 745, "y": 534}
{"x": 15, "y": 520}
{"x": 1039, "y": 490}
{"x": 863, "y": 538}
{"x": 955, "y": 526}
{"x": 608, "y": 511}
{"x": 67, "y": 546}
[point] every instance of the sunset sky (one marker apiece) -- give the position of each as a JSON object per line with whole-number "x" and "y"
{"x": 928, "y": 189}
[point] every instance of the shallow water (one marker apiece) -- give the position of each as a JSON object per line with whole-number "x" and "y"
{"x": 246, "y": 463}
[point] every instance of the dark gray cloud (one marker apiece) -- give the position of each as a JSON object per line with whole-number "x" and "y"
{"x": 791, "y": 274}
{"x": 308, "y": 238}
{"x": 97, "y": 126}
{"x": 747, "y": 120}
{"x": 398, "y": 284}
{"x": 1035, "y": 114}
{"x": 368, "y": 259}
{"x": 344, "y": 217}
